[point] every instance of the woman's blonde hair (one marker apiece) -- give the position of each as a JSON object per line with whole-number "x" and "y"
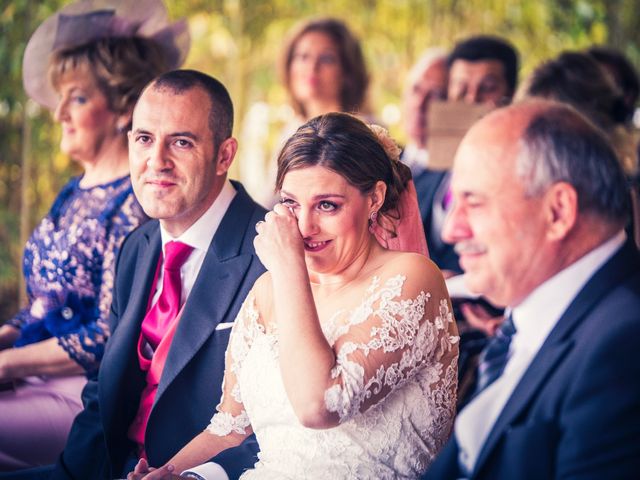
{"x": 121, "y": 67}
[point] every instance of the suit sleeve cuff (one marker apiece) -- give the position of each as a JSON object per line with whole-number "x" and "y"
{"x": 208, "y": 471}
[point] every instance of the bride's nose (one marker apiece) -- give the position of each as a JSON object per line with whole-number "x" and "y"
{"x": 307, "y": 223}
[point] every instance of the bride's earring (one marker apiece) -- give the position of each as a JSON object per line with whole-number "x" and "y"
{"x": 373, "y": 219}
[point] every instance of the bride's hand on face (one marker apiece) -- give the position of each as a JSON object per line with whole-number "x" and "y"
{"x": 279, "y": 242}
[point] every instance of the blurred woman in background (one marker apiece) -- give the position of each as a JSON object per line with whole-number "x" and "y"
{"x": 323, "y": 70}
{"x": 88, "y": 63}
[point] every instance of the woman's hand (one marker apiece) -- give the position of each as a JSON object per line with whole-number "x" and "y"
{"x": 42, "y": 358}
{"x": 142, "y": 468}
{"x": 144, "y": 471}
{"x": 5, "y": 367}
{"x": 8, "y": 336}
{"x": 279, "y": 242}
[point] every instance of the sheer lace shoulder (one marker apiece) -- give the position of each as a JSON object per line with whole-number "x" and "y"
{"x": 230, "y": 415}
{"x": 395, "y": 341}
{"x": 385, "y": 341}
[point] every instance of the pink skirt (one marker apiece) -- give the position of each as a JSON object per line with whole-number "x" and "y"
{"x": 35, "y": 419}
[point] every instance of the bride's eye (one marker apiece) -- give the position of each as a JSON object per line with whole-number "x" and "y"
{"x": 326, "y": 206}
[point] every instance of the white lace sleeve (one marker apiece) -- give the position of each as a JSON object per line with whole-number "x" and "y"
{"x": 384, "y": 343}
{"x": 230, "y": 415}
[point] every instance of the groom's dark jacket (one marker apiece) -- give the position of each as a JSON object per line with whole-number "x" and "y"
{"x": 190, "y": 386}
{"x": 575, "y": 414}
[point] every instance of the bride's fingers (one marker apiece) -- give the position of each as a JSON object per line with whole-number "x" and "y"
{"x": 137, "y": 476}
{"x": 284, "y": 210}
{"x": 163, "y": 473}
{"x": 141, "y": 468}
{"x": 269, "y": 217}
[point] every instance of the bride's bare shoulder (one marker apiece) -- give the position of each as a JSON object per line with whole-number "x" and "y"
{"x": 419, "y": 271}
{"x": 409, "y": 262}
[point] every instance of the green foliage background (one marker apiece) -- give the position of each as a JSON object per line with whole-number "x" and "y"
{"x": 240, "y": 42}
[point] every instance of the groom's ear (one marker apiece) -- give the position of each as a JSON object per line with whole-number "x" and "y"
{"x": 378, "y": 195}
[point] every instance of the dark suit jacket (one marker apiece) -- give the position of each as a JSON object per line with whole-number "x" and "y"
{"x": 427, "y": 183}
{"x": 190, "y": 386}
{"x": 576, "y": 411}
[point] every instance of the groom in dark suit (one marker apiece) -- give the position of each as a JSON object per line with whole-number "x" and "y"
{"x": 180, "y": 282}
{"x": 539, "y": 216}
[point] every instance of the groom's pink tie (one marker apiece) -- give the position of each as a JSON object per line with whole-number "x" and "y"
{"x": 162, "y": 314}
{"x": 158, "y": 328}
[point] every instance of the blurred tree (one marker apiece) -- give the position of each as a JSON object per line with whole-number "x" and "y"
{"x": 240, "y": 42}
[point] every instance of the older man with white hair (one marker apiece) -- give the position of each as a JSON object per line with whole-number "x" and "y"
{"x": 540, "y": 204}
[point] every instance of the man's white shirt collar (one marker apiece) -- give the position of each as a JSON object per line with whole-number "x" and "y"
{"x": 200, "y": 234}
{"x": 539, "y": 312}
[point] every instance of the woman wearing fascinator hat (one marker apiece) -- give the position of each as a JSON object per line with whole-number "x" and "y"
{"x": 343, "y": 357}
{"x": 87, "y": 63}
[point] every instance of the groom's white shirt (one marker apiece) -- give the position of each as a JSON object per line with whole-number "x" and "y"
{"x": 199, "y": 236}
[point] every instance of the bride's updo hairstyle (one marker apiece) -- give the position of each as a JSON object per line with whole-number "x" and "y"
{"x": 344, "y": 144}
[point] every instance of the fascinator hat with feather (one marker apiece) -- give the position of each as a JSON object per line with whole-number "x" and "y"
{"x": 87, "y": 21}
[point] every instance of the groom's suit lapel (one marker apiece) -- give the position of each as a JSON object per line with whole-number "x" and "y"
{"x": 214, "y": 291}
{"x": 559, "y": 343}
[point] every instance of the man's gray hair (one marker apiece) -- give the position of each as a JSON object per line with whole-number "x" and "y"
{"x": 561, "y": 145}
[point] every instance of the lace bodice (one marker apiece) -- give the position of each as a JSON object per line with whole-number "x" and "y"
{"x": 69, "y": 264}
{"x": 394, "y": 384}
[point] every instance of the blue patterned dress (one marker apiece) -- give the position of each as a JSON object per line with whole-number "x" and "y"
{"x": 69, "y": 264}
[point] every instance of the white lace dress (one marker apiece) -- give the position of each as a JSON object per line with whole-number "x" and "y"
{"x": 394, "y": 391}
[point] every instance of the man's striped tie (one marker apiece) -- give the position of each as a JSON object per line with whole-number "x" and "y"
{"x": 494, "y": 357}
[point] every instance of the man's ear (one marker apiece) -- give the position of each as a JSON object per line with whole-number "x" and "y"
{"x": 226, "y": 153}
{"x": 123, "y": 121}
{"x": 561, "y": 210}
{"x": 378, "y": 195}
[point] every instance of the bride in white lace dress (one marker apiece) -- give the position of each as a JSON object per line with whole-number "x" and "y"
{"x": 343, "y": 357}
